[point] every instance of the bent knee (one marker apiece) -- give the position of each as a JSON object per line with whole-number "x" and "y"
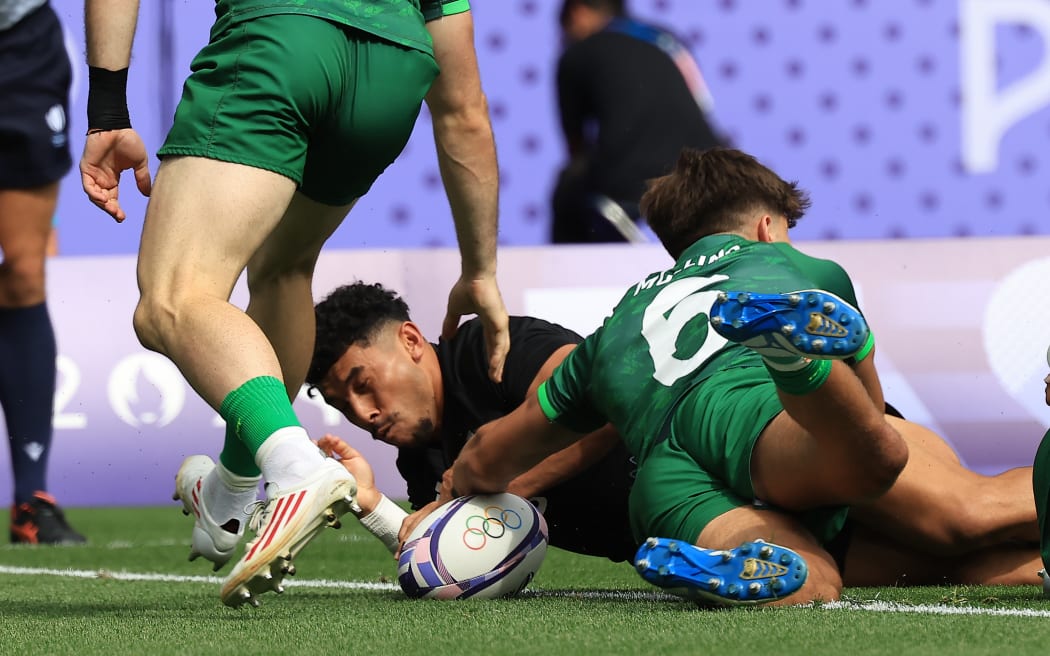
{"x": 144, "y": 322}
{"x": 877, "y": 472}
{"x": 22, "y": 281}
{"x": 154, "y": 318}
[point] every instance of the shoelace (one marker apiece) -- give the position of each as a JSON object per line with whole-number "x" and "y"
{"x": 258, "y": 514}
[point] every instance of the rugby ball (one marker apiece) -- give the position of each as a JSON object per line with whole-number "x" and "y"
{"x": 474, "y": 547}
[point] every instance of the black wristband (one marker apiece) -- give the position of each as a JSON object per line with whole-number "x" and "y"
{"x": 107, "y": 106}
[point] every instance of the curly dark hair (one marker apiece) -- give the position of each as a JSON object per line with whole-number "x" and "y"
{"x": 351, "y": 314}
{"x": 712, "y": 191}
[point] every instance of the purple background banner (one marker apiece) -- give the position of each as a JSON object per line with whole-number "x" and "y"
{"x": 911, "y": 118}
{"x": 962, "y": 328}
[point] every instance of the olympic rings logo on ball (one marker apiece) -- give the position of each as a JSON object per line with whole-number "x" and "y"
{"x": 496, "y": 522}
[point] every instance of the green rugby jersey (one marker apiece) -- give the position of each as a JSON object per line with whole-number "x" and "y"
{"x": 657, "y": 343}
{"x": 398, "y": 21}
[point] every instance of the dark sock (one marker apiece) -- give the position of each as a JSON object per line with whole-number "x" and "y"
{"x": 27, "y": 393}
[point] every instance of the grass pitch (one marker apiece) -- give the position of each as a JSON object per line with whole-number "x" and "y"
{"x": 131, "y": 591}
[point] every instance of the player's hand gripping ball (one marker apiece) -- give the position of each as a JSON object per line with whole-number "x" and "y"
{"x": 474, "y": 547}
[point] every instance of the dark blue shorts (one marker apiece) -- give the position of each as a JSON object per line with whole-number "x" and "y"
{"x": 35, "y": 76}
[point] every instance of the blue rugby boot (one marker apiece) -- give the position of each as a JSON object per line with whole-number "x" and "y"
{"x": 811, "y": 323}
{"x": 753, "y": 573}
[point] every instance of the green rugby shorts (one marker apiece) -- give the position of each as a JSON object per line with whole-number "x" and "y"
{"x": 702, "y": 468}
{"x": 324, "y": 104}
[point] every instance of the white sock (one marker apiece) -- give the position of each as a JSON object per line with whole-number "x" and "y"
{"x": 786, "y": 363}
{"x": 287, "y": 457}
{"x": 775, "y": 354}
{"x": 226, "y": 495}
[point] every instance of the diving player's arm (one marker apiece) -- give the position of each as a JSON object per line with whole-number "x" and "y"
{"x": 445, "y": 495}
{"x": 378, "y": 514}
{"x": 505, "y": 448}
{"x": 571, "y": 460}
{"x": 565, "y": 464}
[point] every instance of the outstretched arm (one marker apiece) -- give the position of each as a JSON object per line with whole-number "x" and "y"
{"x": 112, "y": 146}
{"x": 378, "y": 514}
{"x": 535, "y": 481}
{"x": 573, "y": 459}
{"x": 505, "y": 448}
{"x": 466, "y": 152}
{"x": 564, "y": 464}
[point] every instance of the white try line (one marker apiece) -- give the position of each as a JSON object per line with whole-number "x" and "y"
{"x": 104, "y": 574}
{"x": 603, "y": 595}
{"x": 932, "y": 609}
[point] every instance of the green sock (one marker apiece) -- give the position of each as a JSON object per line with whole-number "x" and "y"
{"x": 255, "y": 411}
{"x": 802, "y": 380}
{"x": 236, "y": 457}
{"x": 1041, "y": 487}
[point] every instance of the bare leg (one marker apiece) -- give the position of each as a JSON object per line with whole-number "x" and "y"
{"x": 205, "y": 220}
{"x": 280, "y": 281}
{"x": 831, "y": 446}
{"x": 940, "y": 507}
{"x": 746, "y": 524}
{"x": 25, "y": 223}
{"x": 27, "y": 359}
{"x": 52, "y": 243}
{"x": 874, "y": 560}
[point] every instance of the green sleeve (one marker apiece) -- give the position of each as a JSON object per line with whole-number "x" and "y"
{"x": 450, "y": 7}
{"x": 563, "y": 397}
{"x": 434, "y": 9}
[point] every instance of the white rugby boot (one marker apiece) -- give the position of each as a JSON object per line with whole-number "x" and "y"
{"x": 284, "y": 524}
{"x": 215, "y": 541}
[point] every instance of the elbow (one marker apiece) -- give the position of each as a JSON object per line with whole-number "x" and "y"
{"x": 460, "y": 114}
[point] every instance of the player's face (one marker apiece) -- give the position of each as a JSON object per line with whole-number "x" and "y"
{"x": 580, "y": 23}
{"x": 382, "y": 389}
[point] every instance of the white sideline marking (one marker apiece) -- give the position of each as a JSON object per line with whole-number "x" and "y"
{"x": 606, "y": 595}
{"x": 177, "y": 578}
{"x": 127, "y": 544}
{"x": 603, "y": 595}
{"x": 938, "y": 609}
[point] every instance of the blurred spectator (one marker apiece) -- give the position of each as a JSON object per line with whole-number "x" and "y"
{"x": 630, "y": 96}
{"x": 35, "y": 77}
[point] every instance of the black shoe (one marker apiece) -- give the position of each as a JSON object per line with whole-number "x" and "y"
{"x": 41, "y": 521}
